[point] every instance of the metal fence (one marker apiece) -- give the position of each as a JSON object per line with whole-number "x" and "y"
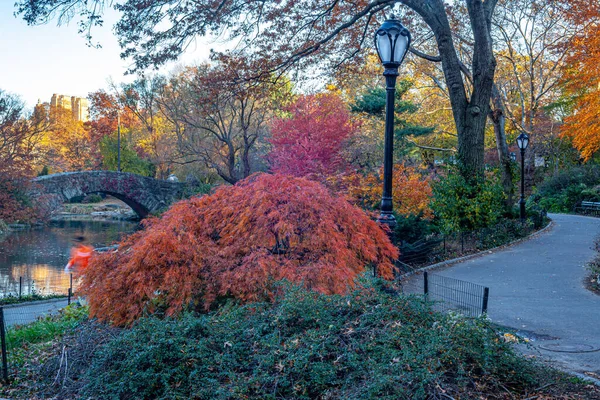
{"x": 464, "y": 297}
{"x": 20, "y": 315}
{"x": 24, "y": 302}
{"x": 30, "y": 286}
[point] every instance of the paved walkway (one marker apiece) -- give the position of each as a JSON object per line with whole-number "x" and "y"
{"x": 537, "y": 288}
{"x": 20, "y": 314}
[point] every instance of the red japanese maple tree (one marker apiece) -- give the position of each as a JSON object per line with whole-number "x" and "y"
{"x": 237, "y": 243}
{"x": 311, "y": 140}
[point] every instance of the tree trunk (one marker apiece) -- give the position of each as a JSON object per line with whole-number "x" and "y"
{"x": 499, "y": 120}
{"x": 246, "y": 160}
{"x": 470, "y": 114}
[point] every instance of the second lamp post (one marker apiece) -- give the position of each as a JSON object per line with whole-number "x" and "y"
{"x": 392, "y": 41}
{"x": 522, "y": 142}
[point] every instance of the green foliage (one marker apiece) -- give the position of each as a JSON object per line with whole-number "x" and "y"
{"x": 44, "y": 171}
{"x": 505, "y": 232}
{"x": 412, "y": 228}
{"x": 130, "y": 161}
{"x": 370, "y": 344}
{"x": 462, "y": 204}
{"x": 92, "y": 198}
{"x": 46, "y": 328}
{"x": 196, "y": 189}
{"x": 373, "y": 101}
{"x": 562, "y": 192}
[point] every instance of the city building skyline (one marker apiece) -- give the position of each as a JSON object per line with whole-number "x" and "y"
{"x": 79, "y": 106}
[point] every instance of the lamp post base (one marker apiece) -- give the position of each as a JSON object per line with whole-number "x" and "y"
{"x": 388, "y": 219}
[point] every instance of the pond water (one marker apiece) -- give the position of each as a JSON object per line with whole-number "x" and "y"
{"x": 34, "y": 260}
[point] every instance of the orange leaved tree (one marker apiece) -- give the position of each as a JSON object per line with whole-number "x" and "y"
{"x": 236, "y": 243}
{"x": 582, "y": 78}
{"x": 411, "y": 195}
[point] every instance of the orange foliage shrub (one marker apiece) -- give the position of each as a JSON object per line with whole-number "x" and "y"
{"x": 411, "y": 190}
{"x": 237, "y": 242}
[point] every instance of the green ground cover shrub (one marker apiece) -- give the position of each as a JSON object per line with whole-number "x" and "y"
{"x": 562, "y": 192}
{"x": 372, "y": 343}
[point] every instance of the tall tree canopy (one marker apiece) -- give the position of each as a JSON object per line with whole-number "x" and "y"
{"x": 219, "y": 119}
{"x": 282, "y": 35}
{"x": 583, "y": 79}
{"x": 19, "y": 137}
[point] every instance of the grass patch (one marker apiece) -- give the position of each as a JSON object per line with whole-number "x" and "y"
{"x": 47, "y": 328}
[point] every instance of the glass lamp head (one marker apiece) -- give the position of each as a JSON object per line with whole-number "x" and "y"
{"x": 523, "y": 141}
{"x": 392, "y": 41}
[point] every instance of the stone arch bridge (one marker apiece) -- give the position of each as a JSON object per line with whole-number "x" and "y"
{"x": 144, "y": 195}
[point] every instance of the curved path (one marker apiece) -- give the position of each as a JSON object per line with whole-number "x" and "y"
{"x": 537, "y": 287}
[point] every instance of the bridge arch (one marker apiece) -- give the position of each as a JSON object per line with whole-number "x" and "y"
{"x": 144, "y": 195}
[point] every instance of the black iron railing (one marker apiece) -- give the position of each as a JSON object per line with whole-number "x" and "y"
{"x": 464, "y": 297}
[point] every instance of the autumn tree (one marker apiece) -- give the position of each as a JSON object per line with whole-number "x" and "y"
{"x": 68, "y": 144}
{"x": 303, "y": 33}
{"x": 310, "y": 141}
{"x": 582, "y": 79}
{"x": 156, "y": 137}
{"x": 527, "y": 45}
{"x": 238, "y": 242}
{"x": 219, "y": 117}
{"x": 530, "y": 35}
{"x": 105, "y": 111}
{"x": 411, "y": 190}
{"x": 19, "y": 138}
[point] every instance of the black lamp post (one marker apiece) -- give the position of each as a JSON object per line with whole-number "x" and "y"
{"x": 522, "y": 142}
{"x": 118, "y": 141}
{"x": 392, "y": 41}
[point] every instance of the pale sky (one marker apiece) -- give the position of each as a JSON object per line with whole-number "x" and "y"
{"x": 37, "y": 61}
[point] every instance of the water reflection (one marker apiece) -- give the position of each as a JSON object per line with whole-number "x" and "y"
{"x": 40, "y": 255}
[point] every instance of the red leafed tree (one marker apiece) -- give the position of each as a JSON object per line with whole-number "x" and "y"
{"x": 311, "y": 140}
{"x": 236, "y": 243}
